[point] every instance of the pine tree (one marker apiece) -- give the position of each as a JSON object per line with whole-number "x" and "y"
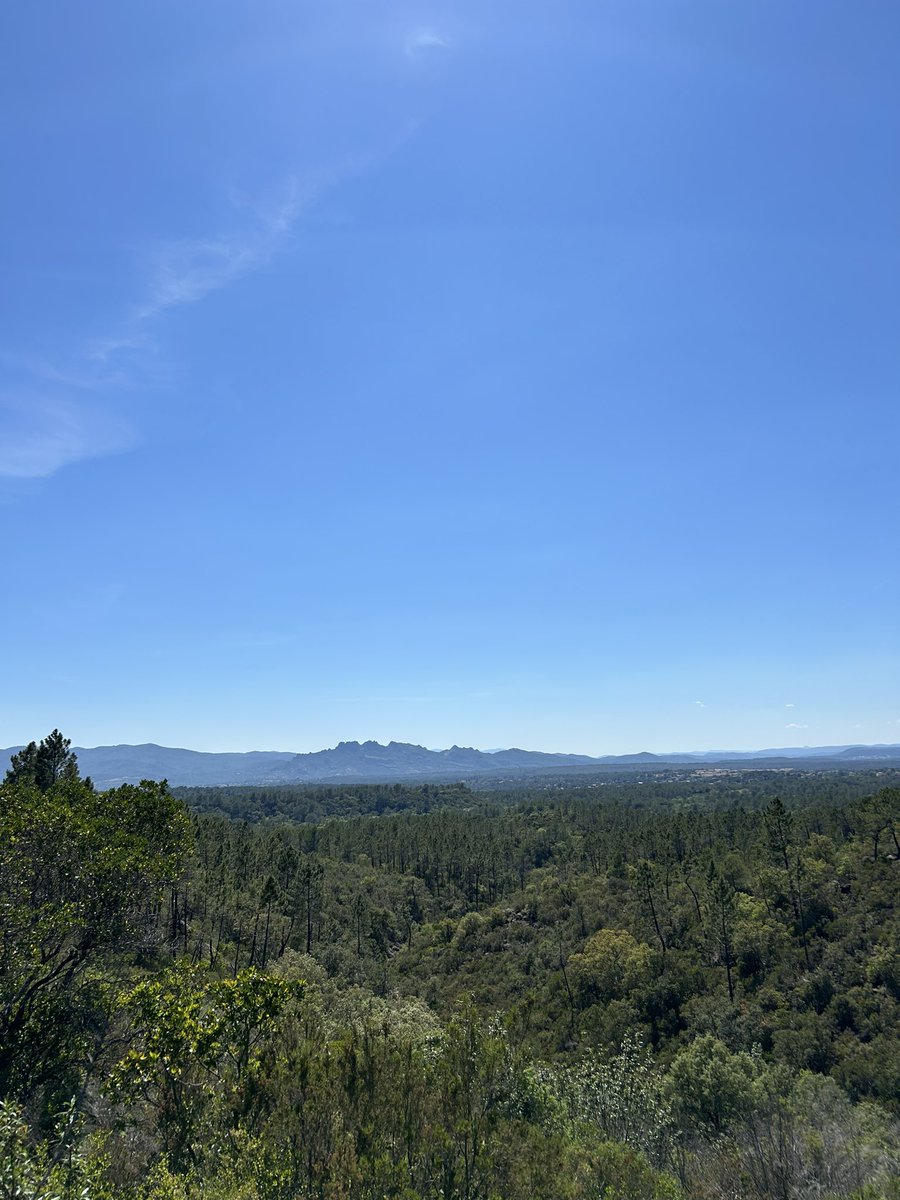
{"x": 43, "y": 765}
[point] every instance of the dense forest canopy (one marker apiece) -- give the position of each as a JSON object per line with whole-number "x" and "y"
{"x": 667, "y": 988}
{"x": 669, "y": 787}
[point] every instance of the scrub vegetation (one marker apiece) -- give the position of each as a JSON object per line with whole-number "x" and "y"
{"x": 689, "y": 989}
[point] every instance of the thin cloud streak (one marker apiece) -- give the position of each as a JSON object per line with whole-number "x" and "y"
{"x": 47, "y": 373}
{"x": 63, "y": 429}
{"x": 101, "y": 350}
{"x": 41, "y": 435}
{"x": 420, "y": 41}
{"x": 187, "y": 271}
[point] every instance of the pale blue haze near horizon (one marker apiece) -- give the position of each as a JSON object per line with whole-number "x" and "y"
{"x": 481, "y": 373}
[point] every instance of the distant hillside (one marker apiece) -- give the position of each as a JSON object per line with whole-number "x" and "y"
{"x": 371, "y": 762}
{"x": 109, "y": 766}
{"x": 400, "y": 760}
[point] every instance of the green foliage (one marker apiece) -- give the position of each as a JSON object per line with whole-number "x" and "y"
{"x": 44, "y": 764}
{"x": 688, "y": 989}
{"x": 81, "y": 875}
{"x": 803, "y": 1137}
{"x": 623, "y": 1097}
{"x": 712, "y": 1087}
{"x": 53, "y": 1168}
{"x": 316, "y": 802}
{"x": 195, "y": 1041}
{"x": 611, "y": 965}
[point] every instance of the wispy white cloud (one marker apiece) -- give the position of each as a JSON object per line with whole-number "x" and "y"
{"x": 700, "y": 704}
{"x": 52, "y": 416}
{"x": 39, "y": 435}
{"x": 77, "y": 413}
{"x": 186, "y": 270}
{"x": 790, "y": 706}
{"x": 104, "y": 349}
{"x": 422, "y": 40}
{"x": 794, "y": 725}
{"x": 75, "y": 377}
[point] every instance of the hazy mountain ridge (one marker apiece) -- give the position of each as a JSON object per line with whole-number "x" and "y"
{"x": 109, "y": 766}
{"x": 373, "y": 762}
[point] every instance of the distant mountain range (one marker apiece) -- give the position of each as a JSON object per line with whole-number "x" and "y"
{"x": 371, "y": 762}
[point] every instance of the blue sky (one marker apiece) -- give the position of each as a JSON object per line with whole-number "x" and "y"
{"x": 502, "y": 373}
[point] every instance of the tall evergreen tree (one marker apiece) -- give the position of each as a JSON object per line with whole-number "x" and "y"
{"x": 42, "y": 765}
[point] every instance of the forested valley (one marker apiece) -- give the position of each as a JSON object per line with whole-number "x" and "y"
{"x": 655, "y": 988}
